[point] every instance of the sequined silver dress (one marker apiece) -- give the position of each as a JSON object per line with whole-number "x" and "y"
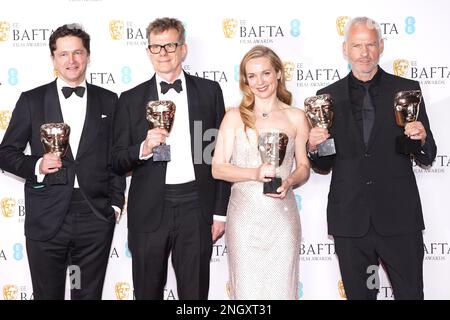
{"x": 262, "y": 233}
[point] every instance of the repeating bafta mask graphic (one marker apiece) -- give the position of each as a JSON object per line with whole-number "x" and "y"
{"x": 341, "y": 289}
{"x": 122, "y": 290}
{"x": 340, "y": 24}
{"x": 116, "y": 29}
{"x": 4, "y": 30}
{"x": 229, "y": 27}
{"x": 289, "y": 68}
{"x": 10, "y": 292}
{"x": 5, "y": 117}
{"x": 400, "y": 67}
{"x": 8, "y": 207}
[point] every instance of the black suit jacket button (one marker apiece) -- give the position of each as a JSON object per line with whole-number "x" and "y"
{"x": 367, "y": 155}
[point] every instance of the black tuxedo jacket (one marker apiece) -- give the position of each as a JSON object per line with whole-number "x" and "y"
{"x": 146, "y": 193}
{"x": 46, "y": 205}
{"x": 374, "y": 184}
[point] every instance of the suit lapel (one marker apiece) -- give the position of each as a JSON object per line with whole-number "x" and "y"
{"x": 344, "y": 106}
{"x": 150, "y": 94}
{"x": 193, "y": 108}
{"x": 381, "y": 104}
{"x": 52, "y": 109}
{"x": 92, "y": 120}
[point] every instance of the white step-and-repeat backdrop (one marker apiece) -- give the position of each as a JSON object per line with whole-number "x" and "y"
{"x": 306, "y": 35}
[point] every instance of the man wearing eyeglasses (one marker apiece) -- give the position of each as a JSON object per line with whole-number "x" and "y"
{"x": 171, "y": 204}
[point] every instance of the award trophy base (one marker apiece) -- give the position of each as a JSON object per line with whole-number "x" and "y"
{"x": 405, "y": 145}
{"x": 161, "y": 153}
{"x": 59, "y": 177}
{"x": 326, "y": 148}
{"x": 272, "y": 186}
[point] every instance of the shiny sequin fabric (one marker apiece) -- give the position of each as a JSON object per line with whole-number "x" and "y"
{"x": 262, "y": 233}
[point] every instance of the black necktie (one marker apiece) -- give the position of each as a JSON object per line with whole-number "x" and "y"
{"x": 368, "y": 113}
{"x": 166, "y": 86}
{"x": 67, "y": 91}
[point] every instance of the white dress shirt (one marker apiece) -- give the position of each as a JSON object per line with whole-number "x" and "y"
{"x": 180, "y": 168}
{"x": 73, "y": 110}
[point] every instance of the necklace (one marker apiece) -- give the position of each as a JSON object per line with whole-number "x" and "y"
{"x": 265, "y": 114}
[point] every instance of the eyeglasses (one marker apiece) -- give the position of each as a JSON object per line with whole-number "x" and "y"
{"x": 168, "y": 47}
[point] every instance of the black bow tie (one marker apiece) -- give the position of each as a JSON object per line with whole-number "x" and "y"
{"x": 67, "y": 91}
{"x": 166, "y": 86}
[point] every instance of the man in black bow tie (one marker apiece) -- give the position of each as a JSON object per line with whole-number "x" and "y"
{"x": 176, "y": 85}
{"x": 71, "y": 223}
{"x": 67, "y": 91}
{"x": 171, "y": 204}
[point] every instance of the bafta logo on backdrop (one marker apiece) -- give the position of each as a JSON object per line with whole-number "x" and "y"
{"x": 122, "y": 290}
{"x": 400, "y": 67}
{"x": 10, "y": 292}
{"x": 5, "y": 117}
{"x": 116, "y": 29}
{"x": 8, "y": 206}
{"x": 340, "y": 24}
{"x": 229, "y": 27}
{"x": 289, "y": 68}
{"x": 4, "y": 30}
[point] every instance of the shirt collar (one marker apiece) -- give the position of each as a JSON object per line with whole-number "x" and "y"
{"x": 61, "y": 83}
{"x": 355, "y": 83}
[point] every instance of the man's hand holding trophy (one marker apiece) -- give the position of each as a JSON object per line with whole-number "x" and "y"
{"x": 319, "y": 112}
{"x": 406, "y": 108}
{"x": 160, "y": 116}
{"x": 55, "y": 139}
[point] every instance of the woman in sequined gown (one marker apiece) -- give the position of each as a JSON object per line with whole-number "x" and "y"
{"x": 263, "y": 230}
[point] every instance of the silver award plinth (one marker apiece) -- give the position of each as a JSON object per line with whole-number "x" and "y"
{"x": 319, "y": 112}
{"x": 161, "y": 114}
{"x": 406, "y": 109}
{"x": 272, "y": 148}
{"x": 55, "y": 139}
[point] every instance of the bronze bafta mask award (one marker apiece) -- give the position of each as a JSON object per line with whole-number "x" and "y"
{"x": 55, "y": 139}
{"x": 161, "y": 114}
{"x": 319, "y": 112}
{"x": 272, "y": 148}
{"x": 406, "y": 107}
